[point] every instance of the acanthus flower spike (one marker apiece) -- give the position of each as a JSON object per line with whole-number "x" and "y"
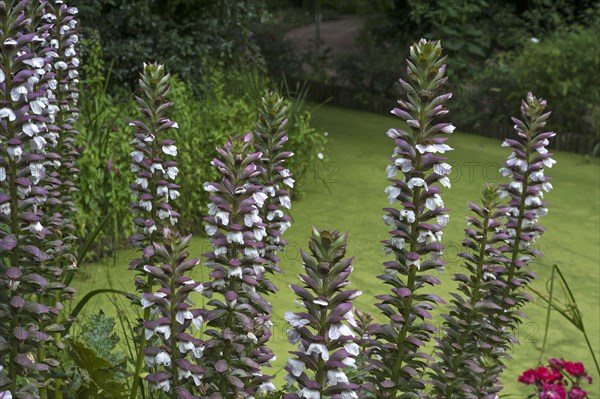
{"x": 238, "y": 320}
{"x": 467, "y": 333}
{"x": 27, "y": 138}
{"x": 274, "y": 198}
{"x": 525, "y": 168}
{"x": 61, "y": 87}
{"x": 416, "y": 226}
{"x": 269, "y": 138}
{"x": 323, "y": 331}
{"x": 169, "y": 318}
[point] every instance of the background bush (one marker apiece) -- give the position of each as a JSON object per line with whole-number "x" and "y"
{"x": 186, "y": 35}
{"x": 222, "y": 104}
{"x": 561, "y": 68}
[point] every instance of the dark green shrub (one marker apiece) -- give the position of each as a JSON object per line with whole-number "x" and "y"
{"x": 561, "y": 67}
{"x": 103, "y": 200}
{"x": 186, "y": 34}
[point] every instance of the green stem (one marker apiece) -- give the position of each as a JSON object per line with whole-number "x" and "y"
{"x": 223, "y": 382}
{"x": 227, "y": 348}
{"x": 406, "y": 311}
{"x": 321, "y": 376}
{"x": 548, "y": 313}
{"x": 175, "y": 352}
{"x": 14, "y": 225}
{"x": 475, "y": 295}
{"x": 517, "y": 243}
{"x": 139, "y": 363}
{"x": 589, "y": 344}
{"x": 41, "y": 350}
{"x": 152, "y": 187}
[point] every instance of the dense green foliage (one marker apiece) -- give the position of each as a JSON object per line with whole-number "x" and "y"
{"x": 187, "y": 35}
{"x": 226, "y": 105}
{"x": 562, "y": 67}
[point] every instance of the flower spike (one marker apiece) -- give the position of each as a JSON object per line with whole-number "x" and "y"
{"x": 468, "y": 332}
{"x": 269, "y": 138}
{"x": 238, "y": 320}
{"x": 398, "y": 361}
{"x": 525, "y": 168}
{"x": 323, "y": 332}
{"x": 169, "y": 319}
{"x": 29, "y": 279}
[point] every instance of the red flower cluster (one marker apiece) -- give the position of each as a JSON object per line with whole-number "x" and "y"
{"x": 553, "y": 381}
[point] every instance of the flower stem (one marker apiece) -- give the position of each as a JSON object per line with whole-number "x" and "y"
{"x": 410, "y": 284}
{"x": 139, "y": 361}
{"x": 14, "y": 223}
{"x": 455, "y": 365}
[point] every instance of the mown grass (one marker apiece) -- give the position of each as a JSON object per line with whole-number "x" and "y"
{"x": 346, "y": 193}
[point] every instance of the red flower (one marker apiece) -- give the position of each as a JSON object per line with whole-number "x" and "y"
{"x": 577, "y": 393}
{"x": 556, "y": 375}
{"x": 575, "y": 369}
{"x": 557, "y": 363}
{"x": 552, "y": 391}
{"x": 528, "y": 377}
{"x": 543, "y": 374}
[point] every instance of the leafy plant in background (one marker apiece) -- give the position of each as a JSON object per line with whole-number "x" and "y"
{"x": 537, "y": 64}
{"x": 323, "y": 330}
{"x": 103, "y": 216}
{"x": 398, "y": 363}
{"x": 470, "y": 29}
{"x": 134, "y": 31}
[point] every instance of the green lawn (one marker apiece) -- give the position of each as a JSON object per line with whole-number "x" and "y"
{"x": 351, "y": 200}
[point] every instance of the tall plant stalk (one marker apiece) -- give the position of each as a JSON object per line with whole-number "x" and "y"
{"x": 398, "y": 362}
{"x": 467, "y": 332}
{"x": 27, "y": 140}
{"x": 154, "y": 188}
{"x": 237, "y": 308}
{"x": 525, "y": 168}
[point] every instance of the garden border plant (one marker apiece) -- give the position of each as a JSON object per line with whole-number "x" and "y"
{"x": 221, "y": 350}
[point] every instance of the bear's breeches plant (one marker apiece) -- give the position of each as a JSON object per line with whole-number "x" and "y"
{"x": 417, "y": 223}
{"x": 213, "y": 338}
{"x": 32, "y": 202}
{"x": 326, "y": 343}
{"x": 238, "y": 321}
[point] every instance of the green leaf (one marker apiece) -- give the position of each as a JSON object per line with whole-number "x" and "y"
{"x": 105, "y": 380}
